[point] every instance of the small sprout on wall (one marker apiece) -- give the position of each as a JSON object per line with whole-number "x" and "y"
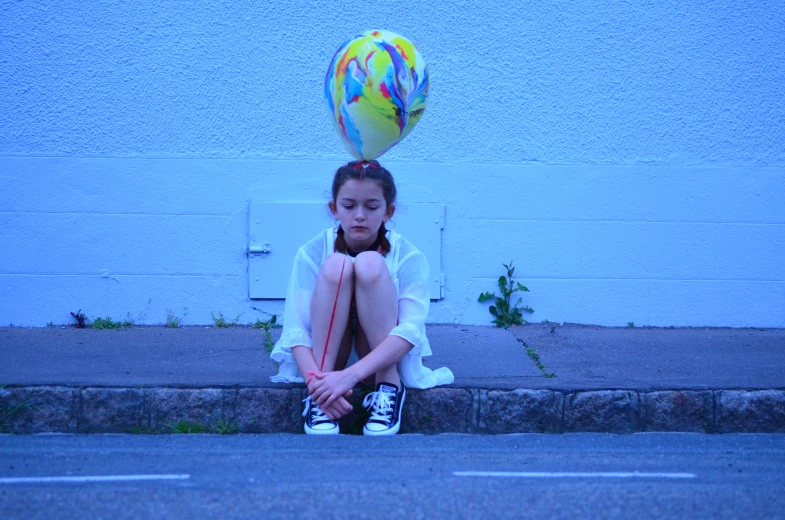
{"x": 142, "y": 314}
{"x": 504, "y": 313}
{"x": 79, "y": 317}
{"x": 220, "y": 322}
{"x": 172, "y": 320}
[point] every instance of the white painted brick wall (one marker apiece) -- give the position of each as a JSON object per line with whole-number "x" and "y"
{"x": 628, "y": 157}
{"x": 653, "y": 245}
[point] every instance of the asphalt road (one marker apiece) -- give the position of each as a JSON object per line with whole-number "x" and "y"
{"x": 407, "y": 476}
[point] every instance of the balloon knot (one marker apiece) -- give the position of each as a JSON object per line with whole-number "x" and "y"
{"x": 362, "y": 165}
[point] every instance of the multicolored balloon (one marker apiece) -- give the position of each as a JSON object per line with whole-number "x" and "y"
{"x": 376, "y": 89}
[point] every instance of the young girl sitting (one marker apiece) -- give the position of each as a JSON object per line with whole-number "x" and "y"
{"x": 361, "y": 285}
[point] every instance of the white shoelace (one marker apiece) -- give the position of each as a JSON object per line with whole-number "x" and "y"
{"x": 317, "y": 415}
{"x": 382, "y": 406}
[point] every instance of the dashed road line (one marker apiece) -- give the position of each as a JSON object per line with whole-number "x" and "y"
{"x": 94, "y": 478}
{"x": 545, "y": 474}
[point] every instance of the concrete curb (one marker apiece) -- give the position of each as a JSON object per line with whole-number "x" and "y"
{"x": 70, "y": 409}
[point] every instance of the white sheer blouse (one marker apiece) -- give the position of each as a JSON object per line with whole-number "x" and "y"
{"x": 409, "y": 271}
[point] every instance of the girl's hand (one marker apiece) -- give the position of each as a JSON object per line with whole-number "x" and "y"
{"x": 338, "y": 408}
{"x": 330, "y": 386}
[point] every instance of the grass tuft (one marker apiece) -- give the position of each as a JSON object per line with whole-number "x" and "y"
{"x": 141, "y": 430}
{"x": 220, "y": 322}
{"x": 172, "y": 320}
{"x": 108, "y": 323}
{"x": 8, "y": 412}
{"x": 225, "y": 427}
{"x": 185, "y": 426}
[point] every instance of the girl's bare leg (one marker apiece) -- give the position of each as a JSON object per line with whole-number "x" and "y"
{"x": 345, "y": 350}
{"x": 377, "y": 306}
{"x": 363, "y": 349}
{"x": 322, "y": 308}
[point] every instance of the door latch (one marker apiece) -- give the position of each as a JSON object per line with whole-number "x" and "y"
{"x": 257, "y": 249}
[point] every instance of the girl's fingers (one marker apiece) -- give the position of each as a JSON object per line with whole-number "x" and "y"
{"x": 344, "y": 405}
{"x": 326, "y": 399}
{"x": 332, "y": 413}
{"x": 317, "y": 394}
{"x": 321, "y": 398}
{"x": 338, "y": 409}
{"x": 333, "y": 399}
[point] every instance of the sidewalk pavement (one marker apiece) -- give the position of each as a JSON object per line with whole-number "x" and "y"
{"x": 534, "y": 378}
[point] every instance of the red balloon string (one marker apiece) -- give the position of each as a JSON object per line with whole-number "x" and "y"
{"x": 362, "y": 165}
{"x": 330, "y": 328}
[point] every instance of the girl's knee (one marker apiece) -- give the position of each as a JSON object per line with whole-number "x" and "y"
{"x": 369, "y": 267}
{"x": 332, "y": 267}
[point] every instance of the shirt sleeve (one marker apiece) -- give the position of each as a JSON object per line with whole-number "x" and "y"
{"x": 297, "y": 308}
{"x": 413, "y": 300}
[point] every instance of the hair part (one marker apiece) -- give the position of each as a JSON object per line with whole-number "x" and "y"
{"x": 362, "y": 170}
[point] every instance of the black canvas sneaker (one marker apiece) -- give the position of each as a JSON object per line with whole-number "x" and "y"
{"x": 316, "y": 422}
{"x": 385, "y": 405}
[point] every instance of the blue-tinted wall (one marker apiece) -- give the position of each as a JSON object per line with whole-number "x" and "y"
{"x": 629, "y": 157}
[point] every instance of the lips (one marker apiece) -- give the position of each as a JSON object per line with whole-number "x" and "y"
{"x": 359, "y": 228}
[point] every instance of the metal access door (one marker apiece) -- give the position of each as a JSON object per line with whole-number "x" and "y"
{"x": 278, "y": 229}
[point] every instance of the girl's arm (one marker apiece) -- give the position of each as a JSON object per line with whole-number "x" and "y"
{"x": 306, "y": 363}
{"x": 303, "y": 356}
{"x": 389, "y": 352}
{"x": 329, "y": 386}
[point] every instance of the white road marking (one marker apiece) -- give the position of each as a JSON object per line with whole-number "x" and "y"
{"x": 97, "y": 478}
{"x": 520, "y": 474}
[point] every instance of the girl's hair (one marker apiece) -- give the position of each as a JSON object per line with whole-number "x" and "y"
{"x": 371, "y": 170}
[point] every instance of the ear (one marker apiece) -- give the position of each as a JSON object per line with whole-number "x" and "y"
{"x": 390, "y": 212}
{"x": 332, "y": 207}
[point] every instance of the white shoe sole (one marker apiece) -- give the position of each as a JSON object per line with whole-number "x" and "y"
{"x": 331, "y": 431}
{"x": 390, "y": 431}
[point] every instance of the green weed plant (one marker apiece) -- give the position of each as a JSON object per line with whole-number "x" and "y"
{"x": 8, "y": 412}
{"x": 221, "y": 322}
{"x": 503, "y": 311}
{"x": 225, "y": 427}
{"x": 108, "y": 323}
{"x": 185, "y": 426}
{"x": 266, "y": 326}
{"x": 173, "y": 320}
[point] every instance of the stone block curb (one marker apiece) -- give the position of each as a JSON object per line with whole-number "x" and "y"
{"x": 614, "y": 411}
{"x": 45, "y": 409}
